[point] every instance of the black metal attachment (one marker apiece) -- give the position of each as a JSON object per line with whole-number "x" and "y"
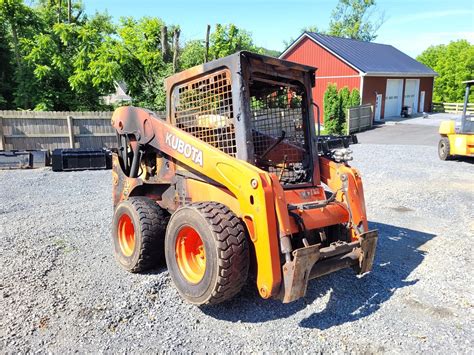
{"x": 81, "y": 159}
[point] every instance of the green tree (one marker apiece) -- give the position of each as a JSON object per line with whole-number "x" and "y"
{"x": 19, "y": 21}
{"x": 228, "y": 39}
{"x": 355, "y": 19}
{"x": 6, "y": 69}
{"x": 138, "y": 52}
{"x": 54, "y": 57}
{"x": 225, "y": 40}
{"x": 454, "y": 64}
{"x": 344, "y": 96}
{"x": 331, "y": 109}
{"x": 60, "y": 59}
{"x": 336, "y": 105}
{"x": 313, "y": 28}
{"x": 355, "y": 98}
{"x": 269, "y": 52}
{"x": 192, "y": 54}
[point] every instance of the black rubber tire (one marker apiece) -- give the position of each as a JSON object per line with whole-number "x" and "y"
{"x": 227, "y": 254}
{"x": 149, "y": 221}
{"x": 444, "y": 149}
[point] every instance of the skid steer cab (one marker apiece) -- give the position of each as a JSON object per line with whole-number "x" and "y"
{"x": 231, "y": 186}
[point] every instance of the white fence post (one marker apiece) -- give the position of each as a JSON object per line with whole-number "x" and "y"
{"x": 70, "y": 128}
{"x": 2, "y": 137}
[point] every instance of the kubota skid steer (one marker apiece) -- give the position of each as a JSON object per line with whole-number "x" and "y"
{"x": 231, "y": 184}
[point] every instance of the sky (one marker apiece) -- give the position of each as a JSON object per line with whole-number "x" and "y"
{"x": 410, "y": 25}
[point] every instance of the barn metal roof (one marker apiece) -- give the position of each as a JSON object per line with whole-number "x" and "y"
{"x": 370, "y": 58}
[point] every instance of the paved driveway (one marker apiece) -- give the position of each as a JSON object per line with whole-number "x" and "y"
{"x": 411, "y": 131}
{"x": 400, "y": 134}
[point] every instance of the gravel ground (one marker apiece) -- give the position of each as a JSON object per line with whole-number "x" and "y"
{"x": 61, "y": 289}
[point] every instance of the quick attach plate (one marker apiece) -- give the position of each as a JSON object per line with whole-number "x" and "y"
{"x": 368, "y": 244}
{"x": 296, "y": 272}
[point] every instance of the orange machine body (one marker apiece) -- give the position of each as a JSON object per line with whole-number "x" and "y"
{"x": 187, "y": 168}
{"x": 251, "y": 193}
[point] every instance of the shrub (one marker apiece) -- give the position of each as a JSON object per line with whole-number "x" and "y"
{"x": 336, "y": 105}
{"x": 355, "y": 98}
{"x": 344, "y": 104}
{"x": 331, "y": 109}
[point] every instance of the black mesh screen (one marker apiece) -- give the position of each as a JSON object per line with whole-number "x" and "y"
{"x": 278, "y": 130}
{"x": 203, "y": 108}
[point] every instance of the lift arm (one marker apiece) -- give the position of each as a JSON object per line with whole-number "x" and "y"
{"x": 348, "y": 184}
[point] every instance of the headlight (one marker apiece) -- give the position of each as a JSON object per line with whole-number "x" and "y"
{"x": 341, "y": 155}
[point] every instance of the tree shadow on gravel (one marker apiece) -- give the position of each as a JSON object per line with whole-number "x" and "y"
{"x": 350, "y": 297}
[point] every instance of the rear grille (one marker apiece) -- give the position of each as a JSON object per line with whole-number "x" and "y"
{"x": 203, "y": 108}
{"x": 278, "y": 129}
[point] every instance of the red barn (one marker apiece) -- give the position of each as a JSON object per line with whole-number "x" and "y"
{"x": 386, "y": 78}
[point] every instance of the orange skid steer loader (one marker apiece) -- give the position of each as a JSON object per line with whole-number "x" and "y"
{"x": 236, "y": 183}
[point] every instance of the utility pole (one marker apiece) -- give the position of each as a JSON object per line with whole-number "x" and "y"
{"x": 69, "y": 10}
{"x": 60, "y": 4}
{"x": 175, "y": 49}
{"x": 206, "y": 53}
{"x": 164, "y": 44}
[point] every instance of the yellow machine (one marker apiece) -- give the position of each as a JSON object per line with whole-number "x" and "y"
{"x": 235, "y": 184}
{"x": 457, "y": 137}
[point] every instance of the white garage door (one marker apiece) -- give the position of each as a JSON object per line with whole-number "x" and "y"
{"x": 412, "y": 86}
{"x": 393, "y": 97}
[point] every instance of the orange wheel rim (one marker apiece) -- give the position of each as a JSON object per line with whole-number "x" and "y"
{"x": 126, "y": 235}
{"x": 190, "y": 254}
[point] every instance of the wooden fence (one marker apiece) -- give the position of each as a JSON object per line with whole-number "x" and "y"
{"x": 359, "y": 118}
{"x": 21, "y": 130}
{"x": 452, "y": 107}
{"x": 49, "y": 130}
